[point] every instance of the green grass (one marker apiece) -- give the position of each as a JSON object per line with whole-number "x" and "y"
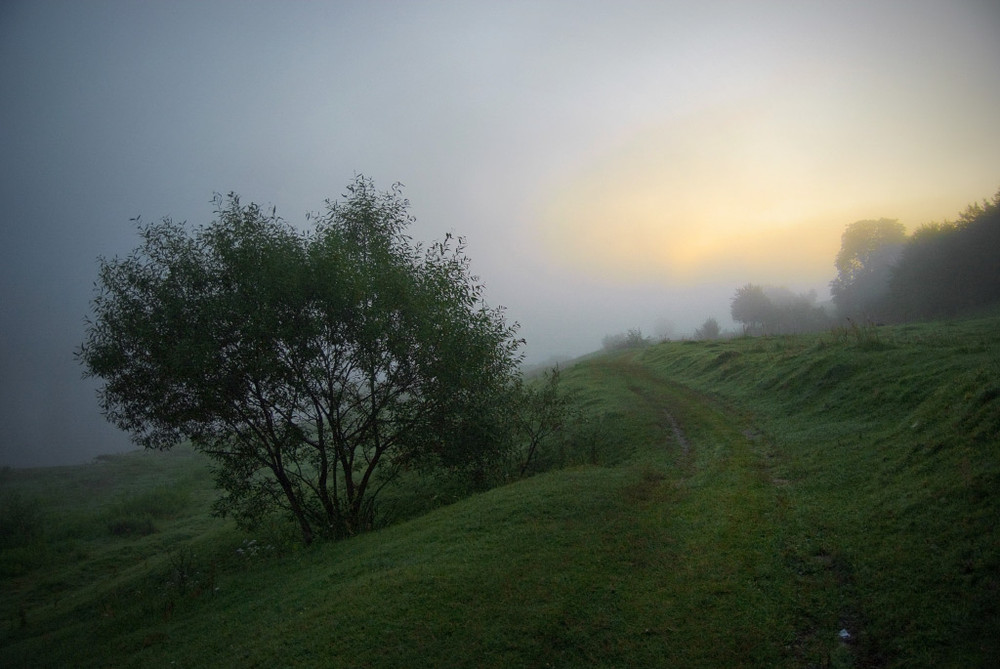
{"x": 821, "y": 483}
{"x": 890, "y": 456}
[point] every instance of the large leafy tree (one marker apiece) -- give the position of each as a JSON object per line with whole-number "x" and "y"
{"x": 753, "y": 308}
{"x": 311, "y": 366}
{"x": 868, "y": 250}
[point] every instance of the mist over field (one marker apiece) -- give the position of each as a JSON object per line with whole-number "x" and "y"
{"x": 612, "y": 168}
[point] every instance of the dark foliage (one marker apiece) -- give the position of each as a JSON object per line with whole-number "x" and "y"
{"x": 751, "y": 307}
{"x": 868, "y": 251}
{"x": 776, "y": 310}
{"x": 708, "y": 330}
{"x": 947, "y": 269}
{"x": 311, "y": 366}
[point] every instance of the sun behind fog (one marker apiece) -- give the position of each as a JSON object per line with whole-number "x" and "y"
{"x": 757, "y": 192}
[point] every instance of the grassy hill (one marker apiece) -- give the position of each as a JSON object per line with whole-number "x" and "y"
{"x": 822, "y": 500}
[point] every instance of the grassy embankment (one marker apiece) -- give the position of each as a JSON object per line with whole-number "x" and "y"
{"x": 733, "y": 503}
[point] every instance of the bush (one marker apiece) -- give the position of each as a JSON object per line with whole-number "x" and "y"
{"x": 708, "y": 330}
{"x": 631, "y": 339}
{"x": 600, "y": 439}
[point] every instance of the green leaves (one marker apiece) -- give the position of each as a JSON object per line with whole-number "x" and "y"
{"x": 312, "y": 364}
{"x": 868, "y": 251}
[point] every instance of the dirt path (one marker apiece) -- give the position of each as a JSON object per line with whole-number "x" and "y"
{"x": 751, "y": 547}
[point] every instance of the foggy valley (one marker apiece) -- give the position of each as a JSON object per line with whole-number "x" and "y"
{"x": 611, "y": 168}
{"x": 499, "y": 334}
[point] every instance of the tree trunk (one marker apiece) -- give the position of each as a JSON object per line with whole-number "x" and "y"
{"x": 294, "y": 503}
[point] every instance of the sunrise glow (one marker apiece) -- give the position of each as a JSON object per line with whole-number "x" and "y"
{"x": 757, "y": 189}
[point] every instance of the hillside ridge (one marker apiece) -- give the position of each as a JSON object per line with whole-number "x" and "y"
{"x": 820, "y": 500}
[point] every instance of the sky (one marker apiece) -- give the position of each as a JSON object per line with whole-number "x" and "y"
{"x": 613, "y": 165}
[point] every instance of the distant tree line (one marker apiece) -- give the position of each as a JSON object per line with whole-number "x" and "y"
{"x": 883, "y": 275}
{"x": 941, "y": 270}
{"x": 949, "y": 268}
{"x": 768, "y": 310}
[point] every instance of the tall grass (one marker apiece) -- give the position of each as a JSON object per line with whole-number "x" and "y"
{"x": 135, "y": 513}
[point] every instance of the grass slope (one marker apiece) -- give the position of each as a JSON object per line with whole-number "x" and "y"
{"x": 745, "y": 502}
{"x": 888, "y": 443}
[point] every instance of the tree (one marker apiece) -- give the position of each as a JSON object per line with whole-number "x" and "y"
{"x": 795, "y": 313}
{"x": 979, "y": 230}
{"x": 708, "y": 330}
{"x": 752, "y": 307}
{"x": 540, "y": 412}
{"x": 868, "y": 250}
{"x": 310, "y": 366}
{"x": 922, "y": 284}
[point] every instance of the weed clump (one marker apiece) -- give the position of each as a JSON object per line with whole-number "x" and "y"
{"x": 865, "y": 335}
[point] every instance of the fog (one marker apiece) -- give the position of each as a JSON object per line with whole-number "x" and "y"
{"x": 613, "y": 166}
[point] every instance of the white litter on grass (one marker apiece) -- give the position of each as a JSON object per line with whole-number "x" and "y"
{"x": 844, "y": 634}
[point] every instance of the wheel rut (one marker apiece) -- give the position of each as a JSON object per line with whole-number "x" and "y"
{"x": 678, "y": 433}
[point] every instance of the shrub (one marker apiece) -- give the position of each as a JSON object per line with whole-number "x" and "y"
{"x": 708, "y": 330}
{"x": 631, "y": 339}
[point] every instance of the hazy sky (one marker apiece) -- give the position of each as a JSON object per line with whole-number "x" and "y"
{"x": 612, "y": 164}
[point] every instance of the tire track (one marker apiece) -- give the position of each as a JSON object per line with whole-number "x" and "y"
{"x": 678, "y": 433}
